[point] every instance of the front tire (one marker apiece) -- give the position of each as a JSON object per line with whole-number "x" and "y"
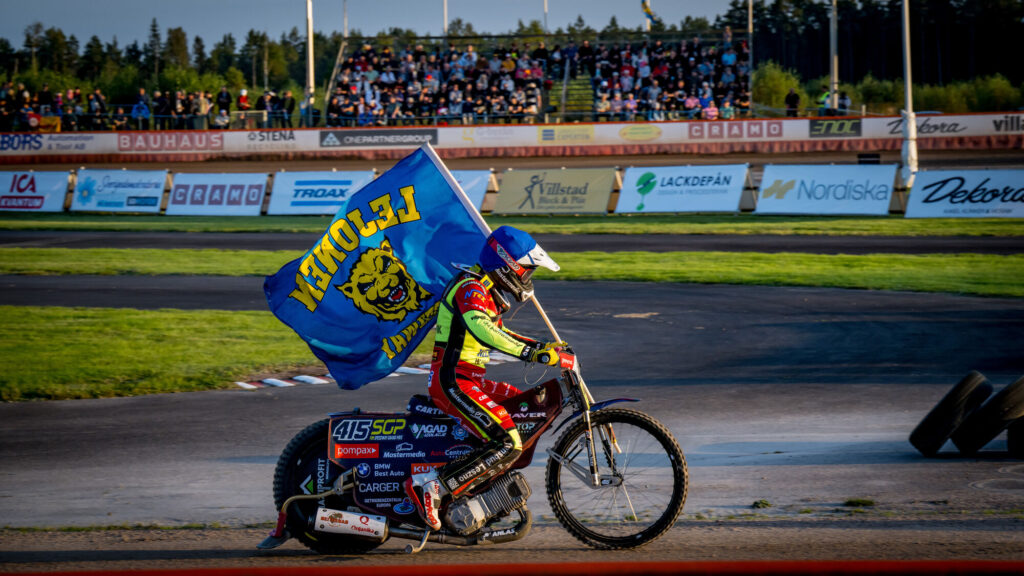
{"x": 304, "y": 468}
{"x": 652, "y": 471}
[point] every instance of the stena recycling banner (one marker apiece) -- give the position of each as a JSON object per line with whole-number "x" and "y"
{"x": 682, "y": 189}
{"x": 119, "y": 190}
{"x": 573, "y": 191}
{"x": 33, "y": 191}
{"x": 967, "y": 194}
{"x": 826, "y": 189}
{"x": 314, "y": 192}
{"x": 216, "y": 195}
{"x": 474, "y": 183}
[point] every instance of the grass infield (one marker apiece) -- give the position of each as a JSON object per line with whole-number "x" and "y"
{"x": 58, "y": 353}
{"x": 610, "y": 224}
{"x": 980, "y": 274}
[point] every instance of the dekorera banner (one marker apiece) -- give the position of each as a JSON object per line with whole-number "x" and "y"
{"x": 33, "y": 191}
{"x": 119, "y": 190}
{"x": 474, "y": 183}
{"x": 967, "y": 194}
{"x": 217, "y": 195}
{"x": 314, "y": 192}
{"x": 826, "y": 189}
{"x": 682, "y": 189}
{"x": 579, "y": 191}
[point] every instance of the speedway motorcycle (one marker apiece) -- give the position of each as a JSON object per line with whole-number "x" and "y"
{"x": 615, "y": 478}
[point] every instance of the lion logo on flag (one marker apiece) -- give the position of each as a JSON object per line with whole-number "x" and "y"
{"x": 380, "y": 285}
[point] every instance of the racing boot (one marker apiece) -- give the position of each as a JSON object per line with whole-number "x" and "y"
{"x": 426, "y": 490}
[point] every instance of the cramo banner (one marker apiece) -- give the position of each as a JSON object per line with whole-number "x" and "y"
{"x": 967, "y": 194}
{"x": 802, "y": 189}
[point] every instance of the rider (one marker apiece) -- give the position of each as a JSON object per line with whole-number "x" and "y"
{"x": 468, "y": 327}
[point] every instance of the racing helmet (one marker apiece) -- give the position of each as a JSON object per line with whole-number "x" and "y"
{"x": 509, "y": 258}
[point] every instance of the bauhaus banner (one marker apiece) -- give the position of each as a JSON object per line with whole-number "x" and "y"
{"x": 682, "y": 189}
{"x": 817, "y": 189}
{"x": 217, "y": 194}
{"x": 582, "y": 191}
{"x": 314, "y": 192}
{"x": 967, "y": 194}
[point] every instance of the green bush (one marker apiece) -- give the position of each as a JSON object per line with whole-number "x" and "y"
{"x": 771, "y": 84}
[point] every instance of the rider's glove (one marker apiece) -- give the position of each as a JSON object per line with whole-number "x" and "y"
{"x": 545, "y": 352}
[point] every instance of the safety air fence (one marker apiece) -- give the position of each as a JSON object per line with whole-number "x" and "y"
{"x": 836, "y": 189}
{"x": 767, "y": 136}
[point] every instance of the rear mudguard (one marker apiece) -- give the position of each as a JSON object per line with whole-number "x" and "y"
{"x": 595, "y": 408}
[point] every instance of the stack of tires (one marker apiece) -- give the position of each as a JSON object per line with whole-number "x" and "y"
{"x": 972, "y": 416}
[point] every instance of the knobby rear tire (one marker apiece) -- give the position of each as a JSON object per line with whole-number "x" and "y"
{"x": 289, "y": 475}
{"x": 577, "y": 526}
{"x": 985, "y": 423}
{"x": 943, "y": 420}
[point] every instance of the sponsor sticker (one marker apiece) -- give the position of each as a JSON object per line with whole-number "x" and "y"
{"x": 835, "y": 128}
{"x": 743, "y": 130}
{"x": 357, "y": 450}
{"x": 640, "y": 132}
{"x": 405, "y": 138}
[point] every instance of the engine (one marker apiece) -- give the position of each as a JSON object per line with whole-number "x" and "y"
{"x": 507, "y": 494}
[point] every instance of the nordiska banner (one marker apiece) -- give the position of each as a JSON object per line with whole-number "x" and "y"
{"x": 580, "y": 191}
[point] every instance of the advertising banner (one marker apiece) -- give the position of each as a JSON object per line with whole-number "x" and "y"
{"x": 682, "y": 189}
{"x": 372, "y": 138}
{"x": 826, "y": 189}
{"x": 314, "y": 192}
{"x": 474, "y": 183}
{"x": 581, "y": 191}
{"x": 216, "y": 195}
{"x": 967, "y": 194}
{"x": 119, "y": 190}
{"x": 33, "y": 191}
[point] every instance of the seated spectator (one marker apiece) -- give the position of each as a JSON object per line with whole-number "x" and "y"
{"x": 726, "y": 112}
{"x": 222, "y": 120}
{"x": 120, "y": 119}
{"x": 140, "y": 115}
{"x": 69, "y": 120}
{"x": 629, "y": 106}
{"x": 691, "y": 106}
{"x": 743, "y": 104}
{"x": 711, "y": 111}
{"x": 617, "y": 106}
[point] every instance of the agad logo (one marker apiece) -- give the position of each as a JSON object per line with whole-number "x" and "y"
{"x": 778, "y": 189}
{"x": 644, "y": 185}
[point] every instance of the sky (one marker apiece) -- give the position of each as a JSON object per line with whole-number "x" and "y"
{"x": 129, "y": 20}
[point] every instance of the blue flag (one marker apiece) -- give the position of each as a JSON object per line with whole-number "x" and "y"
{"x": 368, "y": 291}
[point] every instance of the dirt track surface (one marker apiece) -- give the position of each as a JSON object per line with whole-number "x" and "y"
{"x": 845, "y": 537}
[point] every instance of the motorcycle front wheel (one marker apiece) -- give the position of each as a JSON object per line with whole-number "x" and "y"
{"x": 303, "y": 468}
{"x": 645, "y": 483}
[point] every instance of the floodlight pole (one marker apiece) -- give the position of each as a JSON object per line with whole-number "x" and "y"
{"x": 750, "y": 51}
{"x": 909, "y": 153}
{"x": 546, "y": 17}
{"x": 833, "y": 98}
{"x": 444, "y": 26}
{"x": 310, "y": 97}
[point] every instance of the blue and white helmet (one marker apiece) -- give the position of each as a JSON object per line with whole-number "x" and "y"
{"x": 509, "y": 257}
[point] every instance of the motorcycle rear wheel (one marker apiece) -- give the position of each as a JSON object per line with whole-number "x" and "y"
{"x": 653, "y": 474}
{"x": 297, "y": 467}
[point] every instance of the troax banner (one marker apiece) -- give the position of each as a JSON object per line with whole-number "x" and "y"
{"x": 314, "y": 192}
{"x": 967, "y": 194}
{"x": 582, "y": 191}
{"x": 816, "y": 189}
{"x": 682, "y": 189}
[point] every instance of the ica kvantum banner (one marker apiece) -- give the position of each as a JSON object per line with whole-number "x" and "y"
{"x": 216, "y": 195}
{"x": 826, "y": 189}
{"x": 33, "y": 191}
{"x": 682, "y": 189}
{"x": 119, "y": 190}
{"x": 967, "y": 194}
{"x": 368, "y": 291}
{"x": 578, "y": 191}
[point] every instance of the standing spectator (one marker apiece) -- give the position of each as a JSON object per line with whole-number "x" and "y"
{"x": 287, "y": 109}
{"x": 69, "y": 120}
{"x": 224, "y": 100}
{"x": 161, "y": 110}
{"x": 140, "y": 115}
{"x": 844, "y": 104}
{"x": 823, "y": 100}
{"x": 743, "y": 104}
{"x": 792, "y": 104}
{"x": 243, "y": 100}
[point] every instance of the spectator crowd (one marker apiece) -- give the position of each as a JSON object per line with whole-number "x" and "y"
{"x": 647, "y": 80}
